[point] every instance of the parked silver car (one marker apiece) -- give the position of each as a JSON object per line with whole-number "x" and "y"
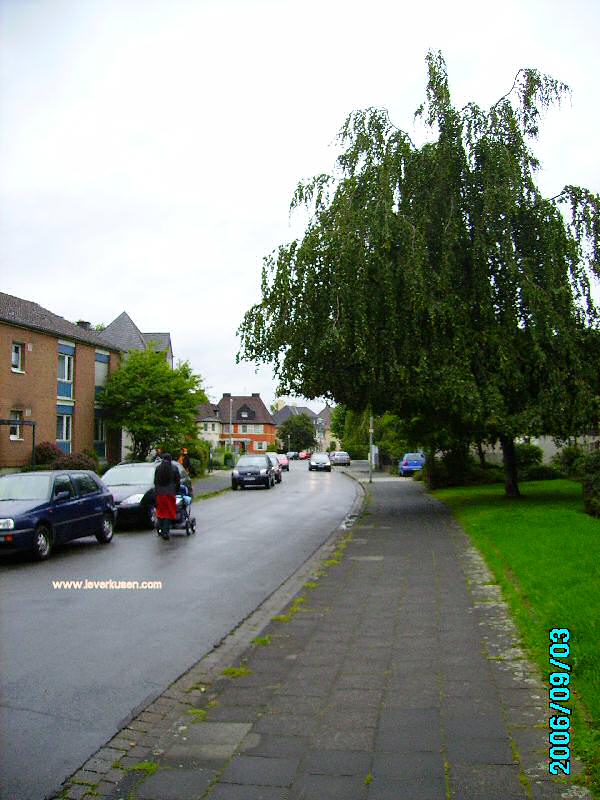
{"x": 340, "y": 458}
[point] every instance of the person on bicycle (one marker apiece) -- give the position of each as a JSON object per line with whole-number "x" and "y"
{"x": 166, "y": 486}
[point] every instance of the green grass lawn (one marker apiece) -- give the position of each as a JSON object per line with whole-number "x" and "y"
{"x": 544, "y": 551}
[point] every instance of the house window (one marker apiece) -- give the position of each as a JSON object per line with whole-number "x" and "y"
{"x": 64, "y": 428}
{"x": 261, "y": 445}
{"x": 243, "y": 414}
{"x": 17, "y": 356}
{"x": 212, "y": 426}
{"x": 100, "y": 437}
{"x": 15, "y": 430}
{"x": 244, "y": 428}
{"x": 65, "y": 375}
{"x": 101, "y": 370}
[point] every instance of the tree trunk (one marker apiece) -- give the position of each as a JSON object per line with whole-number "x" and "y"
{"x": 509, "y": 456}
{"x": 481, "y": 455}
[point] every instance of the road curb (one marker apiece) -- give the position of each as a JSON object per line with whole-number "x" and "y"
{"x": 141, "y": 734}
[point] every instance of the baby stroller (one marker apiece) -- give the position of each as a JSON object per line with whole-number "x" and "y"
{"x": 184, "y": 519}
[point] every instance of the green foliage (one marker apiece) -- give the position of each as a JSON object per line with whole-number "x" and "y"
{"x": 47, "y": 453}
{"x": 390, "y": 437}
{"x": 332, "y": 446}
{"x": 301, "y": 431}
{"x": 590, "y": 481}
{"x": 458, "y": 296}
{"x": 272, "y": 448}
{"x": 570, "y": 460}
{"x": 540, "y": 472}
{"x": 338, "y": 420}
{"x": 152, "y": 401}
{"x": 528, "y": 455}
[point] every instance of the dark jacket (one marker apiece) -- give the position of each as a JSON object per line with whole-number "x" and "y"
{"x": 165, "y": 482}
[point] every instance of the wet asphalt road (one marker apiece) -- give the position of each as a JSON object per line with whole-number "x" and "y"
{"x": 77, "y": 663}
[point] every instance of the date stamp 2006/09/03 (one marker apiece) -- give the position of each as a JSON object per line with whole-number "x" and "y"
{"x": 560, "y": 694}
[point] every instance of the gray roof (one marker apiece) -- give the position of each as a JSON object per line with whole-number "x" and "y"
{"x": 125, "y": 334}
{"x": 207, "y": 412}
{"x": 290, "y": 411}
{"x": 27, "y": 314}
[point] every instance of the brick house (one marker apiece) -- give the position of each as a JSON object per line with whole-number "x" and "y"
{"x": 321, "y": 422}
{"x": 252, "y": 424}
{"x": 50, "y": 371}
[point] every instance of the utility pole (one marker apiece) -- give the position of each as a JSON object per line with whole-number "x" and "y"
{"x": 370, "y": 449}
{"x": 231, "y": 425}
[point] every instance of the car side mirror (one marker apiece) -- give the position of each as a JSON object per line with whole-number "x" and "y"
{"x": 62, "y": 496}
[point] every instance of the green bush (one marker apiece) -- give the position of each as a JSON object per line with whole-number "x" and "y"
{"x": 228, "y": 460}
{"x": 75, "y": 461}
{"x": 528, "y": 455}
{"x": 358, "y": 452}
{"x": 47, "y": 453}
{"x": 570, "y": 460}
{"x": 540, "y": 472}
{"x": 590, "y": 481}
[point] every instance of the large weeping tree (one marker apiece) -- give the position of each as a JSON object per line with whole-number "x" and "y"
{"x": 436, "y": 281}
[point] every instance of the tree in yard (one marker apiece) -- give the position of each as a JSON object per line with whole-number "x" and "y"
{"x": 300, "y": 430}
{"x": 436, "y": 282}
{"x": 152, "y": 401}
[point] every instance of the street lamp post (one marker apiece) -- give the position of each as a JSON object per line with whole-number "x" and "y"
{"x": 231, "y": 424}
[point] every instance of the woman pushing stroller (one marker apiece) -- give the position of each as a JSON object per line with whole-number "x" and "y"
{"x": 167, "y": 483}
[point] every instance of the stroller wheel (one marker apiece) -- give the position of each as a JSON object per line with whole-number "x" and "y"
{"x": 194, "y": 525}
{"x": 187, "y": 528}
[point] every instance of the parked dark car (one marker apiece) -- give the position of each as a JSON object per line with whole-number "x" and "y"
{"x": 132, "y": 486}
{"x": 340, "y": 457}
{"x": 39, "y": 510}
{"x": 253, "y": 471}
{"x": 319, "y": 461}
{"x": 411, "y": 463}
{"x": 277, "y": 468}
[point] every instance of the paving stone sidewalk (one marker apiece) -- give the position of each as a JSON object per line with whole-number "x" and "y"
{"x": 212, "y": 482}
{"x": 395, "y": 674}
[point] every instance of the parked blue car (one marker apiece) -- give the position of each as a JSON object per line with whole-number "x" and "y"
{"x": 39, "y": 510}
{"x": 410, "y": 463}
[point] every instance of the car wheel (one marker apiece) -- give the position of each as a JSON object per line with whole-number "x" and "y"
{"x": 105, "y": 534}
{"x": 234, "y": 486}
{"x": 150, "y": 519}
{"x": 42, "y": 543}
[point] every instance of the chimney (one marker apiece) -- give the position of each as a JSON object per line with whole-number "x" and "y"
{"x": 226, "y": 394}
{"x": 255, "y": 394}
{"x": 82, "y": 323}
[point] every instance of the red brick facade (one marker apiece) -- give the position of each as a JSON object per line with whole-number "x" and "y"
{"x": 32, "y": 390}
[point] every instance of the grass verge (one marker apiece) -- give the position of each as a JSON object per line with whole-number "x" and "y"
{"x": 544, "y": 551}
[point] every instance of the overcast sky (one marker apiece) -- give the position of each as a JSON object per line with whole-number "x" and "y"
{"x": 149, "y": 149}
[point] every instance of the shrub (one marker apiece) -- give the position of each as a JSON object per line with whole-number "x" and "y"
{"x": 590, "y": 481}
{"x": 358, "y": 452}
{"x": 570, "y": 460}
{"x": 195, "y": 467}
{"x": 528, "y": 455}
{"x": 47, "y": 453}
{"x": 93, "y": 455}
{"x": 540, "y": 472}
{"x": 75, "y": 461}
{"x": 228, "y": 460}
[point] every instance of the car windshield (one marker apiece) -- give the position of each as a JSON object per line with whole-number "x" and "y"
{"x": 251, "y": 461}
{"x": 25, "y": 487}
{"x": 129, "y": 474}
{"x": 320, "y": 457}
{"x": 413, "y": 457}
